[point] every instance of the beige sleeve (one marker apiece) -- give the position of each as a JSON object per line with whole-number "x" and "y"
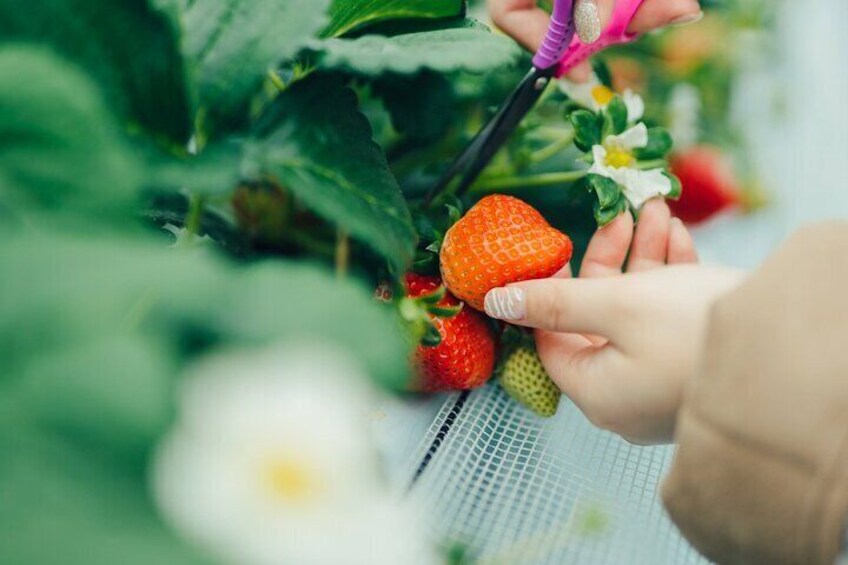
{"x": 761, "y": 472}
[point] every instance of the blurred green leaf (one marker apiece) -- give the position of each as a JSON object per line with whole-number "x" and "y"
{"x": 615, "y": 117}
{"x": 676, "y": 186}
{"x": 316, "y": 144}
{"x": 348, "y": 15}
{"x": 443, "y": 50}
{"x": 60, "y": 148}
{"x": 659, "y": 144}
{"x": 64, "y": 506}
{"x": 234, "y": 43}
{"x": 130, "y": 46}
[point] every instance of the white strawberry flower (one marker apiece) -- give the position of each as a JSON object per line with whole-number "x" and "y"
{"x": 270, "y": 463}
{"x": 615, "y": 160}
{"x": 596, "y": 96}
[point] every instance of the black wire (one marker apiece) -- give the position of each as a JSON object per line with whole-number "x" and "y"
{"x": 444, "y": 430}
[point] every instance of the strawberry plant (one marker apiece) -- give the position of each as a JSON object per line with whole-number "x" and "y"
{"x": 184, "y": 176}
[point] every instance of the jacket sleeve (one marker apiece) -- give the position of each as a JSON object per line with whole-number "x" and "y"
{"x": 761, "y": 470}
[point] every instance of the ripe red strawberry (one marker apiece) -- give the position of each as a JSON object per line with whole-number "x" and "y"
{"x": 709, "y": 185}
{"x": 465, "y": 358}
{"x": 501, "y": 240}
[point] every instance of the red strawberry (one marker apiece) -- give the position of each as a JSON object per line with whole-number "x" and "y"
{"x": 465, "y": 358}
{"x": 501, "y": 240}
{"x": 709, "y": 185}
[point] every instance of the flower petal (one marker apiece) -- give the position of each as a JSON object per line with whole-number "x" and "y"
{"x": 634, "y": 138}
{"x": 635, "y": 105}
{"x": 641, "y": 186}
{"x": 581, "y": 93}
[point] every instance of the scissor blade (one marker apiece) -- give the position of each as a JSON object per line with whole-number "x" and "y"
{"x": 494, "y": 134}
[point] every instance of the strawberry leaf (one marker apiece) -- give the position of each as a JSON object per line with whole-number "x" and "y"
{"x": 61, "y": 149}
{"x": 349, "y": 15}
{"x": 131, "y": 47}
{"x": 587, "y": 129}
{"x": 316, "y": 144}
{"x": 615, "y": 117}
{"x": 235, "y": 43}
{"x": 611, "y": 200}
{"x": 676, "y": 186}
{"x": 468, "y": 47}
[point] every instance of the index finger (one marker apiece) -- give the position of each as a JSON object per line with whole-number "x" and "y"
{"x": 594, "y": 306}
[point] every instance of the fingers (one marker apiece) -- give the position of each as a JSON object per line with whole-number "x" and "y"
{"x": 608, "y": 249}
{"x": 654, "y": 14}
{"x": 681, "y": 248}
{"x": 570, "y": 306}
{"x": 650, "y": 243}
{"x": 521, "y": 19}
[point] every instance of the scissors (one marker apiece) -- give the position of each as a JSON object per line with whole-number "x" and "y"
{"x": 560, "y": 52}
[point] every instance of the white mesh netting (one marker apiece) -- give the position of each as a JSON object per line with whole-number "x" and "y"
{"x": 514, "y": 488}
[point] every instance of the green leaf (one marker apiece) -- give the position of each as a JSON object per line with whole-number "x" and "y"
{"x": 615, "y": 117}
{"x": 587, "y": 130}
{"x": 611, "y": 201}
{"x": 316, "y": 144}
{"x": 66, "y": 505}
{"x": 60, "y": 148}
{"x": 235, "y": 43}
{"x": 348, "y": 15}
{"x": 659, "y": 144}
{"x": 602, "y": 71}
{"x": 216, "y": 171}
{"x": 445, "y": 50}
{"x": 422, "y": 107}
{"x": 676, "y": 186}
{"x": 131, "y": 47}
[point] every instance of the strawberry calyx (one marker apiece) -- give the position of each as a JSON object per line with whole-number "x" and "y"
{"x": 419, "y": 313}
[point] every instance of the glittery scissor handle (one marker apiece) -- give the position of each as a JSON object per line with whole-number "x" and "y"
{"x": 614, "y": 34}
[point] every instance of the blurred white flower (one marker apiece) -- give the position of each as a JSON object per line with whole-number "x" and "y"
{"x": 684, "y": 113}
{"x": 615, "y": 160}
{"x": 595, "y": 96}
{"x": 270, "y": 463}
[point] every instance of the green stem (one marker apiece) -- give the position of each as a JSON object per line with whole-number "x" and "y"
{"x": 553, "y": 149}
{"x": 195, "y": 214}
{"x": 544, "y": 179}
{"x": 655, "y": 164}
{"x": 342, "y": 253}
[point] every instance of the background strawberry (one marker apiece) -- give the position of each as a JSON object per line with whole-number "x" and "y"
{"x": 524, "y": 378}
{"x": 709, "y": 184}
{"x": 465, "y": 357}
{"x": 501, "y": 240}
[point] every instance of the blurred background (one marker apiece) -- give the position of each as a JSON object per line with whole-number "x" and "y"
{"x": 193, "y": 220}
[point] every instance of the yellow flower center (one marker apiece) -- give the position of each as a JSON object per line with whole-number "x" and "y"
{"x": 290, "y": 480}
{"x": 618, "y": 158}
{"x": 602, "y": 95}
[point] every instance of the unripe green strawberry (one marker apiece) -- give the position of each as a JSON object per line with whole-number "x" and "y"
{"x": 524, "y": 378}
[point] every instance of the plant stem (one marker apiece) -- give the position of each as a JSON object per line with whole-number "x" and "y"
{"x": 342, "y": 254}
{"x": 655, "y": 164}
{"x": 195, "y": 214}
{"x": 544, "y": 179}
{"x": 551, "y": 150}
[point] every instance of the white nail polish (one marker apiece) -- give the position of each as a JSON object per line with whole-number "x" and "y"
{"x": 688, "y": 19}
{"x": 506, "y": 304}
{"x": 587, "y": 20}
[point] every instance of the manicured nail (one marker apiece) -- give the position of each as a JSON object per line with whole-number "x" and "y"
{"x": 506, "y": 304}
{"x": 587, "y": 20}
{"x": 687, "y": 19}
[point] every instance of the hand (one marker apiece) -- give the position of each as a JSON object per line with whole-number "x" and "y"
{"x": 527, "y": 23}
{"x": 622, "y": 346}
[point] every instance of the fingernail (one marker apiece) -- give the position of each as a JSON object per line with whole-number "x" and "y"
{"x": 506, "y": 304}
{"x": 587, "y": 20}
{"x": 687, "y": 19}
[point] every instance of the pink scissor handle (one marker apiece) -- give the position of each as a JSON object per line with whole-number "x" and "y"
{"x": 614, "y": 34}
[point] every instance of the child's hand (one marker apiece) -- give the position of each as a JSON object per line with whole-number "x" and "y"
{"x": 622, "y": 346}
{"x": 527, "y": 23}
